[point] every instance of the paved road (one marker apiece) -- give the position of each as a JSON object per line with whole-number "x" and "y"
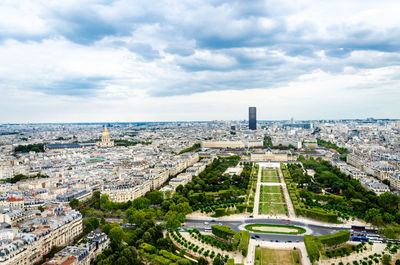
{"x": 317, "y": 230}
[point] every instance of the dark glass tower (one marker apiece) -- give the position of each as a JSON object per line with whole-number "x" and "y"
{"x": 252, "y": 118}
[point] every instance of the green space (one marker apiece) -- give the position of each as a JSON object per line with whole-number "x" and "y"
{"x": 192, "y": 148}
{"x": 273, "y": 209}
{"x": 293, "y": 174}
{"x": 270, "y": 175}
{"x": 140, "y": 237}
{"x": 330, "y": 145}
{"x": 251, "y": 187}
{"x": 271, "y": 189}
{"x": 20, "y": 177}
{"x": 264, "y": 229}
{"x": 269, "y": 256}
{"x": 344, "y": 198}
{"x": 272, "y": 201}
{"x": 29, "y": 148}
{"x": 218, "y": 193}
{"x": 120, "y": 142}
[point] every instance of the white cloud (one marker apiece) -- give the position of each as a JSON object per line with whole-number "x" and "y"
{"x": 198, "y": 60}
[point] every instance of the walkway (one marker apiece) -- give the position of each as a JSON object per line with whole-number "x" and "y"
{"x": 289, "y": 203}
{"x": 257, "y": 195}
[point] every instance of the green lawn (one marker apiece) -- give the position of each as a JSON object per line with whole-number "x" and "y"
{"x": 274, "y": 229}
{"x": 270, "y": 189}
{"x": 273, "y": 209}
{"x": 269, "y": 256}
{"x": 270, "y": 175}
{"x": 272, "y": 201}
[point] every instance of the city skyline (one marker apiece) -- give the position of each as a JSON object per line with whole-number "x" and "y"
{"x": 124, "y": 61}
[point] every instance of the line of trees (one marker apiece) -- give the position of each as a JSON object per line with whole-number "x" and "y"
{"x": 190, "y": 149}
{"x": 20, "y": 177}
{"x": 333, "y": 146}
{"x": 29, "y": 147}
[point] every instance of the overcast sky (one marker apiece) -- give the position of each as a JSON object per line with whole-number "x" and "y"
{"x": 95, "y": 61}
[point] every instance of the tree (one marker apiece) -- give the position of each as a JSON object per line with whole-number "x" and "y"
{"x": 202, "y": 261}
{"x": 107, "y": 227}
{"x": 179, "y": 189}
{"x": 116, "y": 234}
{"x": 130, "y": 254}
{"x": 397, "y": 262}
{"x": 147, "y": 237}
{"x": 141, "y": 203}
{"x": 386, "y": 181}
{"x": 156, "y": 197}
{"x": 389, "y": 233}
{"x": 74, "y": 203}
{"x": 373, "y": 216}
{"x": 168, "y": 194}
{"x": 174, "y": 219}
{"x": 104, "y": 202}
{"x": 218, "y": 260}
{"x": 386, "y": 259}
{"x": 91, "y": 223}
{"x": 388, "y": 218}
{"x": 136, "y": 217}
{"x": 40, "y": 208}
{"x": 121, "y": 261}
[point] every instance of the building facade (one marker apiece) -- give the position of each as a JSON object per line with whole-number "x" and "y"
{"x": 252, "y": 118}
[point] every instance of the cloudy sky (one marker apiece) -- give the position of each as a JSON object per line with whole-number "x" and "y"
{"x": 88, "y": 60}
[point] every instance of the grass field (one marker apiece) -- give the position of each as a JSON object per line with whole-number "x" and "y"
{"x": 272, "y": 201}
{"x": 269, "y": 256}
{"x": 270, "y": 175}
{"x": 276, "y": 229}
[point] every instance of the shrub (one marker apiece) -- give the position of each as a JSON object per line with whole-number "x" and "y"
{"x": 335, "y": 239}
{"x": 312, "y": 248}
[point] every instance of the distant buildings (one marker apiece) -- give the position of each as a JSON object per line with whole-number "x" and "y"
{"x": 252, "y": 118}
{"x": 272, "y": 156}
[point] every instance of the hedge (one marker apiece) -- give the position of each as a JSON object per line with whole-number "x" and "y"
{"x": 169, "y": 255}
{"x": 312, "y": 248}
{"x": 222, "y": 231}
{"x": 160, "y": 260}
{"x": 219, "y": 211}
{"x": 244, "y": 242}
{"x": 319, "y": 215}
{"x": 148, "y": 248}
{"x": 236, "y": 240}
{"x": 230, "y": 262}
{"x": 335, "y": 239}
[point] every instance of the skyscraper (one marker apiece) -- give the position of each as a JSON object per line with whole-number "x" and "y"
{"x": 252, "y": 118}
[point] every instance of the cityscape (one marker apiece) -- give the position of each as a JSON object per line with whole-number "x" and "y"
{"x": 315, "y": 192}
{"x": 210, "y": 132}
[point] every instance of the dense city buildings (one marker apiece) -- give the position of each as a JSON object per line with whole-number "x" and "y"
{"x": 43, "y": 168}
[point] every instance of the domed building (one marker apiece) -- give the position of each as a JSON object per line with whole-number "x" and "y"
{"x": 105, "y": 139}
